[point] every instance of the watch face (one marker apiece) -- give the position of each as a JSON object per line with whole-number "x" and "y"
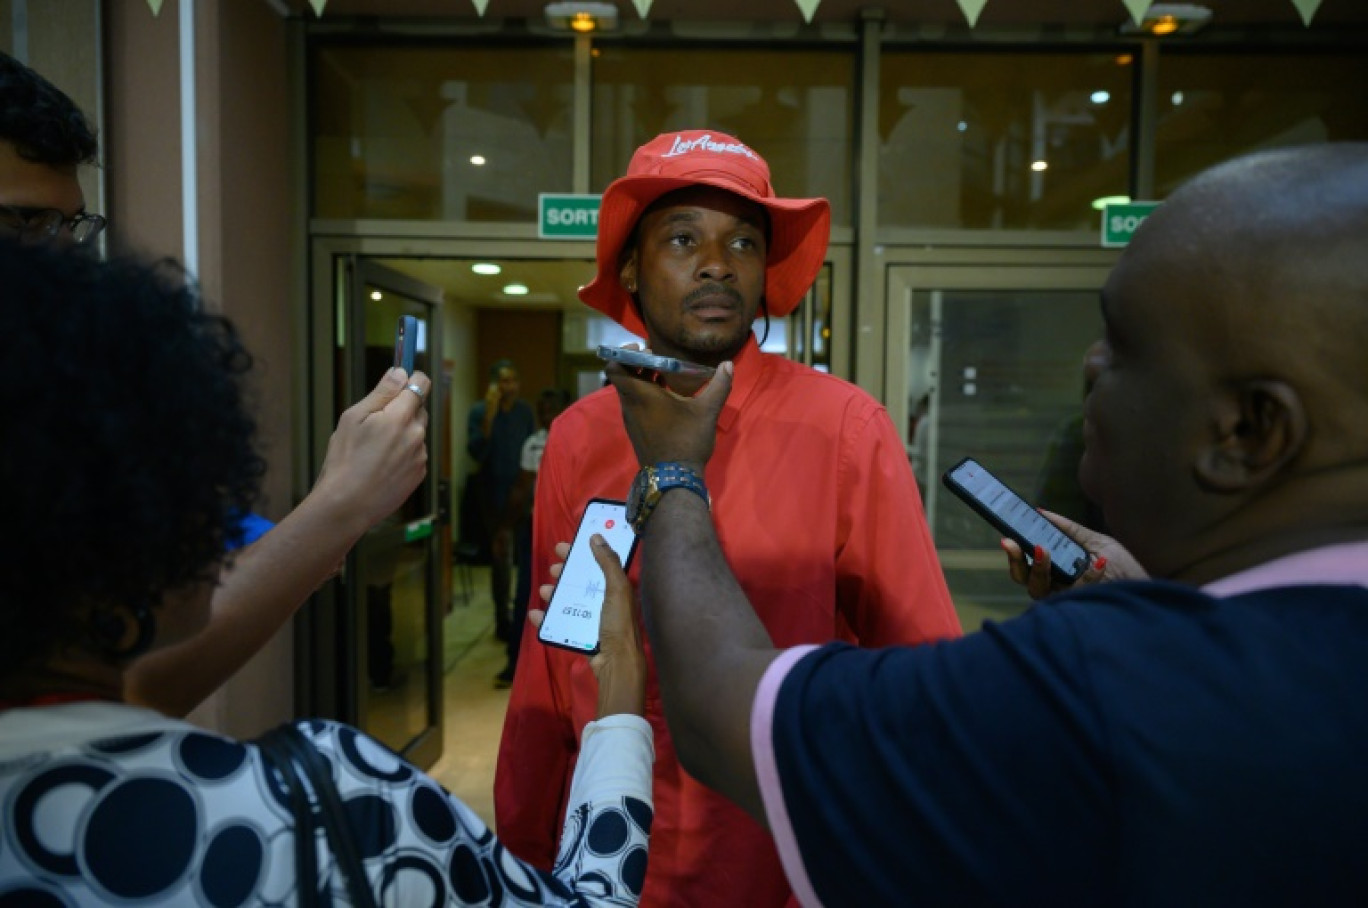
{"x": 637, "y": 496}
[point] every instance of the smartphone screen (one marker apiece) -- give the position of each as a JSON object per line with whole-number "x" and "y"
{"x": 576, "y": 606}
{"x": 406, "y": 342}
{"x": 1012, "y": 516}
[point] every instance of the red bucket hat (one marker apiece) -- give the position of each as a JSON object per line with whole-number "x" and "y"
{"x": 799, "y": 228}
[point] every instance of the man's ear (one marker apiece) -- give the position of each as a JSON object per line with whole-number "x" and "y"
{"x": 1260, "y": 428}
{"x": 627, "y": 272}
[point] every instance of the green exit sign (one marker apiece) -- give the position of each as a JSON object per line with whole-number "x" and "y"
{"x": 1119, "y": 221}
{"x": 567, "y": 217}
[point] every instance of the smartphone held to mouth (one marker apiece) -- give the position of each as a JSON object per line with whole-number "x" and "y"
{"x": 665, "y": 365}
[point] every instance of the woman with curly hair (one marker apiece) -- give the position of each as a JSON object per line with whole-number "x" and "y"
{"x": 129, "y": 450}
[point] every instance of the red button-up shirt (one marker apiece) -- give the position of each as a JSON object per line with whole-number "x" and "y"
{"x": 819, "y": 517}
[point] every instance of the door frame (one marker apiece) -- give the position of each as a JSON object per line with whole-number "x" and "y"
{"x": 908, "y": 270}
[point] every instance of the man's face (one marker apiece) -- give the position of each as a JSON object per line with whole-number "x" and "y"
{"x": 28, "y": 184}
{"x": 508, "y": 383}
{"x": 1144, "y": 423}
{"x": 699, "y": 272}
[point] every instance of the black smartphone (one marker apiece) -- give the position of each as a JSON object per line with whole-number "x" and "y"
{"x": 406, "y": 343}
{"x": 1014, "y": 518}
{"x": 576, "y": 607}
{"x": 640, "y": 359}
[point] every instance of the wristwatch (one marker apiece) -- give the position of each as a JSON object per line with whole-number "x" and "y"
{"x": 655, "y": 480}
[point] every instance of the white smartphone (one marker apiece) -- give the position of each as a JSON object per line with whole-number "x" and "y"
{"x": 640, "y": 359}
{"x": 576, "y": 607}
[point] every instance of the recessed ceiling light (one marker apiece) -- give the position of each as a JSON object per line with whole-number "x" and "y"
{"x": 582, "y": 16}
{"x": 515, "y": 289}
{"x": 478, "y": 160}
{"x": 1100, "y": 97}
{"x": 1039, "y": 166}
{"x": 485, "y": 268}
{"x": 1177, "y": 99}
{"x": 376, "y": 294}
{"x": 963, "y": 126}
{"x": 1169, "y": 19}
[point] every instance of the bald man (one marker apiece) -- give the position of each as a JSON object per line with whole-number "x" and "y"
{"x": 1199, "y": 739}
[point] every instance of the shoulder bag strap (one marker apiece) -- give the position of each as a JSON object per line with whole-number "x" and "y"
{"x": 277, "y": 757}
{"x": 315, "y": 768}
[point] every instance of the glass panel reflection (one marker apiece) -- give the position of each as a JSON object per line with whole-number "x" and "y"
{"x": 460, "y": 133}
{"x": 1216, "y": 106}
{"x": 393, "y": 565}
{"x": 1024, "y": 140}
{"x": 996, "y": 375}
{"x": 794, "y": 107}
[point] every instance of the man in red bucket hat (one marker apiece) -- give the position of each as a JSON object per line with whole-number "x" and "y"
{"x": 812, "y": 495}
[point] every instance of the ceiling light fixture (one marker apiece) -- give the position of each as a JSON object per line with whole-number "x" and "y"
{"x": 1163, "y": 19}
{"x": 478, "y": 160}
{"x": 1040, "y": 166}
{"x": 485, "y": 268}
{"x": 515, "y": 290}
{"x": 582, "y": 17}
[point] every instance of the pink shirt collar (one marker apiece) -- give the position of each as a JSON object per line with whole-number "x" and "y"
{"x": 1342, "y": 564}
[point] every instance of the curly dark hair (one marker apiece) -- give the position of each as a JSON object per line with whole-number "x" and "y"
{"x": 43, "y": 123}
{"x": 128, "y": 442}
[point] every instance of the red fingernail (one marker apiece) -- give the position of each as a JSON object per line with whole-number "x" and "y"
{"x": 1100, "y": 563}
{"x": 1003, "y": 543}
{"x": 1039, "y": 552}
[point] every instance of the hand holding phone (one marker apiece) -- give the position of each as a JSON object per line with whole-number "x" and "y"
{"x": 640, "y": 359}
{"x": 406, "y": 343}
{"x": 575, "y": 609}
{"x": 1013, "y": 517}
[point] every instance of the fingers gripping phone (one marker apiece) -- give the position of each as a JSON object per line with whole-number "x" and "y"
{"x": 1014, "y": 518}
{"x": 640, "y": 359}
{"x": 406, "y": 343}
{"x": 576, "y": 606}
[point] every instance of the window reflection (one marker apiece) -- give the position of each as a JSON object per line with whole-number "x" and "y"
{"x": 454, "y": 133}
{"x": 794, "y": 107}
{"x": 960, "y": 133}
{"x": 1216, "y": 106}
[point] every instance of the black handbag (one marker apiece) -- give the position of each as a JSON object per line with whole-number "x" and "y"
{"x": 294, "y": 758}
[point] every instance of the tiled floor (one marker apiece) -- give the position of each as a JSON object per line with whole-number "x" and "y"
{"x": 474, "y": 710}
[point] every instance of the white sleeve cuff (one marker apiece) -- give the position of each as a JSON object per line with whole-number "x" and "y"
{"x": 616, "y": 754}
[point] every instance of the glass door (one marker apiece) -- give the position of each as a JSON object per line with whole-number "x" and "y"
{"x": 988, "y": 362}
{"x": 394, "y": 576}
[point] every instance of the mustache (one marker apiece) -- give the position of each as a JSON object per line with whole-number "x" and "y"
{"x": 713, "y": 289}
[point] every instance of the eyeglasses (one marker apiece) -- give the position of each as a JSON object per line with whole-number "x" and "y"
{"x": 40, "y": 224}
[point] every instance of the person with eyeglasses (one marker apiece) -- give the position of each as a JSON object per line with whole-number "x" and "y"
{"x": 371, "y": 466}
{"x": 44, "y": 139}
{"x": 28, "y": 224}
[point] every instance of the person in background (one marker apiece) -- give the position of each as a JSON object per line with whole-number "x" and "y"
{"x": 817, "y": 505}
{"x": 137, "y": 443}
{"x": 1196, "y": 739}
{"x": 371, "y": 465}
{"x": 517, "y": 522}
{"x": 1057, "y": 488}
{"x": 495, "y": 431}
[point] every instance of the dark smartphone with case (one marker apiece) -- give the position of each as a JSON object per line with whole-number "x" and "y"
{"x": 576, "y": 608}
{"x": 406, "y": 343}
{"x": 1013, "y": 517}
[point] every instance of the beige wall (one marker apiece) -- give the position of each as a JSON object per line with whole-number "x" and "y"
{"x": 244, "y": 219}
